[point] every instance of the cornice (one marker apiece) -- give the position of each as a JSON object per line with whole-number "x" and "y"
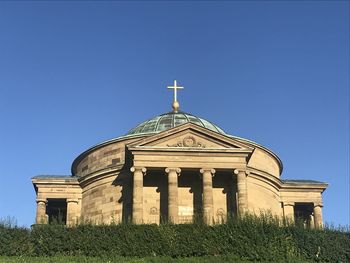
{"x": 303, "y": 187}
{"x": 98, "y": 175}
{"x": 187, "y": 149}
{"x": 286, "y": 187}
{"x": 54, "y": 181}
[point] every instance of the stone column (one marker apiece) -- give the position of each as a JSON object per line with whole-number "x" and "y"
{"x": 41, "y": 216}
{"x": 312, "y": 221}
{"x": 208, "y": 202}
{"x": 173, "y": 209}
{"x": 242, "y": 191}
{"x": 72, "y": 211}
{"x": 318, "y": 216}
{"x": 137, "y": 194}
{"x": 288, "y": 208}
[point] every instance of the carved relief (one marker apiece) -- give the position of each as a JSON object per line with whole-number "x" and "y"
{"x": 188, "y": 141}
{"x": 220, "y": 212}
{"x": 153, "y": 211}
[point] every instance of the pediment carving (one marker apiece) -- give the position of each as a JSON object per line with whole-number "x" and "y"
{"x": 189, "y": 136}
{"x": 188, "y": 141}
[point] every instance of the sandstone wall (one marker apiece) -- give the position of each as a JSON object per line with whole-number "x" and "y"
{"x": 263, "y": 197}
{"x": 104, "y": 157}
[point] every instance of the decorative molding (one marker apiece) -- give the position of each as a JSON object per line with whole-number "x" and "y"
{"x": 72, "y": 200}
{"x": 288, "y": 203}
{"x": 318, "y": 204}
{"x": 188, "y": 141}
{"x": 203, "y": 170}
{"x": 177, "y": 170}
{"x": 153, "y": 211}
{"x": 220, "y": 212}
{"x": 142, "y": 169}
{"x": 41, "y": 200}
{"x": 237, "y": 171}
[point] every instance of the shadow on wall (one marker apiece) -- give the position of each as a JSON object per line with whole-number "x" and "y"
{"x": 124, "y": 181}
{"x": 224, "y": 180}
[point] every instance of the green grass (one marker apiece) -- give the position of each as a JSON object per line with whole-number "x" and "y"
{"x": 83, "y": 259}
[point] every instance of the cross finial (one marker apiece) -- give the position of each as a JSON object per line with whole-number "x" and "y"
{"x": 176, "y": 104}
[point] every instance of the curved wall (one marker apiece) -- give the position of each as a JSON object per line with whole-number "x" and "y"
{"x": 263, "y": 161}
{"x": 104, "y": 200}
{"x": 102, "y": 157}
{"x": 106, "y": 186}
{"x": 263, "y": 197}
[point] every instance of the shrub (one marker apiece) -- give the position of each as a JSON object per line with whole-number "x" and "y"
{"x": 249, "y": 238}
{"x": 14, "y": 241}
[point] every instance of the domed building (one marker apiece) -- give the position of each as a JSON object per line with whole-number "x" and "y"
{"x": 175, "y": 167}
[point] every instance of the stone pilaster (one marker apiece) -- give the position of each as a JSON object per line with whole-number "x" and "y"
{"x": 72, "y": 211}
{"x": 288, "y": 209}
{"x": 242, "y": 191}
{"x": 208, "y": 203}
{"x": 173, "y": 209}
{"x": 41, "y": 216}
{"x": 318, "y": 216}
{"x": 137, "y": 195}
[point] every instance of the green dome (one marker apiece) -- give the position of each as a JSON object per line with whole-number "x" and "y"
{"x": 170, "y": 120}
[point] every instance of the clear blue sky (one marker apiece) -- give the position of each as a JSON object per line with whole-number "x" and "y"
{"x": 75, "y": 74}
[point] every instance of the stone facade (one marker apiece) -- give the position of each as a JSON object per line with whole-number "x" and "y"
{"x": 176, "y": 174}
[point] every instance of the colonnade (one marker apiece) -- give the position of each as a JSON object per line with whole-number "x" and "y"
{"x": 316, "y": 220}
{"x": 207, "y": 174}
{"x": 72, "y": 211}
{"x": 173, "y": 173}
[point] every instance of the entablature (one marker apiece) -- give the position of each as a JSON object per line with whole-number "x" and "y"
{"x": 187, "y": 158}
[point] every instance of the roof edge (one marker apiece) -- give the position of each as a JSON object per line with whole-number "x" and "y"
{"x": 302, "y": 181}
{"x": 261, "y": 147}
{"x": 54, "y": 177}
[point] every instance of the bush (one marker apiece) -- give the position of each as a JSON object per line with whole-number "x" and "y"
{"x": 14, "y": 241}
{"x": 250, "y": 238}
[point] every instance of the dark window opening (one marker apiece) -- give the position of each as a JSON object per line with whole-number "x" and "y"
{"x": 56, "y": 210}
{"x": 303, "y": 214}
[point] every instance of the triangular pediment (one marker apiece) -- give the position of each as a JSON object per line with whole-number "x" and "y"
{"x": 190, "y": 136}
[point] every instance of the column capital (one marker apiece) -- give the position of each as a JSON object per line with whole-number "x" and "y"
{"x": 41, "y": 200}
{"x": 288, "y": 204}
{"x": 318, "y": 204}
{"x": 142, "y": 169}
{"x": 237, "y": 171}
{"x": 175, "y": 169}
{"x": 72, "y": 200}
{"x": 211, "y": 170}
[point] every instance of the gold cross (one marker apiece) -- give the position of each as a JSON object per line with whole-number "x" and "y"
{"x": 176, "y": 104}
